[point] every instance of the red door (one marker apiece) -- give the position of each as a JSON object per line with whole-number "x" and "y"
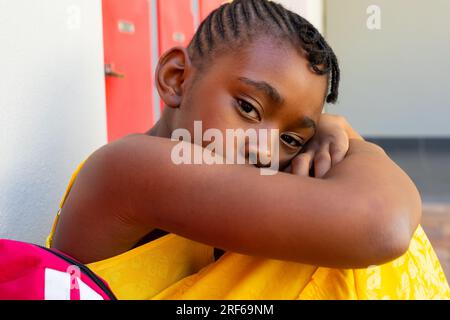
{"x": 127, "y": 47}
{"x": 175, "y": 25}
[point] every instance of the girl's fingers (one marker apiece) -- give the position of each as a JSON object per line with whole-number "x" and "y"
{"x": 302, "y": 163}
{"x": 288, "y": 169}
{"x": 322, "y": 161}
{"x": 338, "y": 152}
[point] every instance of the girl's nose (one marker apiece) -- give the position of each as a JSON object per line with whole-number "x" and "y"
{"x": 259, "y": 156}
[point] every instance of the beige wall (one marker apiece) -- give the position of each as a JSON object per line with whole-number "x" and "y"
{"x": 312, "y": 10}
{"x": 52, "y": 106}
{"x": 396, "y": 80}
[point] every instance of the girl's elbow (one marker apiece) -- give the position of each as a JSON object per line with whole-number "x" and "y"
{"x": 391, "y": 218}
{"x": 384, "y": 247}
{"x": 394, "y": 234}
{"x": 396, "y": 244}
{"x": 404, "y": 220}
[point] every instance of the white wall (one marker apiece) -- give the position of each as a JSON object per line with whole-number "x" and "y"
{"x": 395, "y": 80}
{"x": 311, "y": 10}
{"x": 52, "y": 106}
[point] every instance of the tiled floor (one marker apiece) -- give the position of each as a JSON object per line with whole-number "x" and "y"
{"x": 436, "y": 223}
{"x": 427, "y": 162}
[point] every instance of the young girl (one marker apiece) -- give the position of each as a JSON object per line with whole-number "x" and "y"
{"x": 149, "y": 225}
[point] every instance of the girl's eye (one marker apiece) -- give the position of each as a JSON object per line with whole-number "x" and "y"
{"x": 291, "y": 141}
{"x": 248, "y": 110}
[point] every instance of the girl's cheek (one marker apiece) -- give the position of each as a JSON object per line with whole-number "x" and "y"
{"x": 285, "y": 158}
{"x": 220, "y": 118}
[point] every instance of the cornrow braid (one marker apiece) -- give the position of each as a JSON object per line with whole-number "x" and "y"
{"x": 246, "y": 15}
{"x": 270, "y": 10}
{"x": 231, "y": 14}
{"x": 257, "y": 9}
{"x": 219, "y": 22}
{"x": 244, "y": 19}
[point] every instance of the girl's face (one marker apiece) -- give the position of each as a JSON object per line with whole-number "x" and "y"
{"x": 264, "y": 86}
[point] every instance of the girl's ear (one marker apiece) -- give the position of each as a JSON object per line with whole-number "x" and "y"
{"x": 171, "y": 73}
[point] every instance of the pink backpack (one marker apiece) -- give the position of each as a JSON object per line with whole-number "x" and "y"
{"x": 32, "y": 272}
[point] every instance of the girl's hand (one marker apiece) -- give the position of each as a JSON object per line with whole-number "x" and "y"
{"x": 327, "y": 148}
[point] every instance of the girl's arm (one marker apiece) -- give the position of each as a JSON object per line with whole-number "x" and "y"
{"x": 362, "y": 212}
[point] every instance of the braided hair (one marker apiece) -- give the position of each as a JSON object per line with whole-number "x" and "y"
{"x": 242, "y": 20}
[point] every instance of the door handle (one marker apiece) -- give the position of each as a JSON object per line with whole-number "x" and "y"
{"x": 109, "y": 72}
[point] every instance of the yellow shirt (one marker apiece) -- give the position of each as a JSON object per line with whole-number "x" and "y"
{"x": 173, "y": 267}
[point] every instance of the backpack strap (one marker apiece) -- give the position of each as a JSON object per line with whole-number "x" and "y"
{"x": 49, "y": 240}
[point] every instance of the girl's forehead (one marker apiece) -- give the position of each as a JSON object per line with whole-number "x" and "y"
{"x": 265, "y": 51}
{"x": 277, "y": 63}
